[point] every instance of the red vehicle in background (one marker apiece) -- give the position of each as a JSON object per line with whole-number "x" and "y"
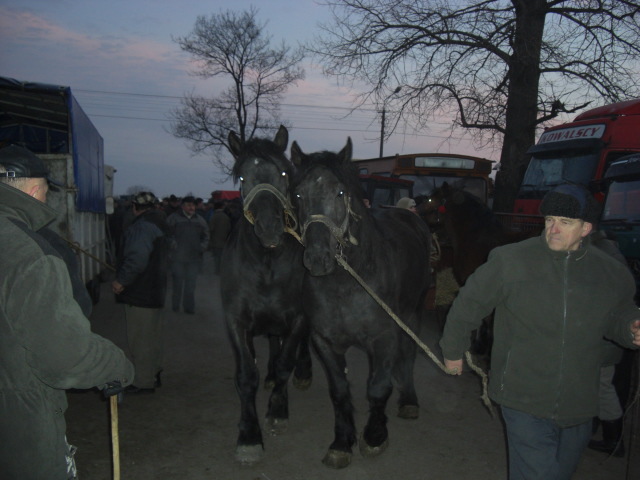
{"x": 579, "y": 152}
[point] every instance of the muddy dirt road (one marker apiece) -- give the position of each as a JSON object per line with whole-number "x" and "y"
{"x": 187, "y": 429}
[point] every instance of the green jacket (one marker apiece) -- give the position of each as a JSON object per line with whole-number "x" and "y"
{"x": 46, "y": 344}
{"x": 551, "y": 311}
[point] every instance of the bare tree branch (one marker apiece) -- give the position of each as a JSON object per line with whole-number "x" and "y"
{"x": 504, "y": 67}
{"x": 236, "y": 47}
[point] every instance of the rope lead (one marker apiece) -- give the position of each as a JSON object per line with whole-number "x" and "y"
{"x": 485, "y": 396}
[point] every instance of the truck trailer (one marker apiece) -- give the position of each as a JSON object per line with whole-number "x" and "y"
{"x": 48, "y": 120}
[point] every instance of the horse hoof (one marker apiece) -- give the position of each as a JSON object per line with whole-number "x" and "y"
{"x": 302, "y": 383}
{"x": 249, "y": 454}
{"x": 409, "y": 412}
{"x": 368, "y": 451}
{"x": 337, "y": 459}
{"x": 269, "y": 384}
{"x": 276, "y": 426}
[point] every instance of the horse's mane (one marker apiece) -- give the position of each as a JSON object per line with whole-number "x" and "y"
{"x": 262, "y": 148}
{"x": 479, "y": 215}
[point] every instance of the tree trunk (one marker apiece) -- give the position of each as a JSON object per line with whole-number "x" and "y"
{"x": 522, "y": 103}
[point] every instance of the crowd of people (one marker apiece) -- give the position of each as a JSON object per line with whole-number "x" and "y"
{"x": 556, "y": 298}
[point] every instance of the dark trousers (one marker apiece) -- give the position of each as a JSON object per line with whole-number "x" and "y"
{"x": 184, "y": 275}
{"x": 217, "y": 255}
{"x": 144, "y": 334}
{"x": 539, "y": 449}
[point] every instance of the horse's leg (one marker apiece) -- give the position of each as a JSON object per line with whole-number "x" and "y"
{"x": 303, "y": 374}
{"x": 249, "y": 447}
{"x": 274, "y": 350}
{"x": 375, "y": 437}
{"x": 339, "y": 453}
{"x": 403, "y": 365}
{"x": 277, "y": 417}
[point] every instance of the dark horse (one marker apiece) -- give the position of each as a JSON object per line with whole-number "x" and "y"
{"x": 389, "y": 249}
{"x": 261, "y": 286}
{"x": 470, "y": 226}
{"x": 473, "y": 230}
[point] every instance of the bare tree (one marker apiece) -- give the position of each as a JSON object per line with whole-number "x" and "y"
{"x": 502, "y": 67}
{"x": 236, "y": 47}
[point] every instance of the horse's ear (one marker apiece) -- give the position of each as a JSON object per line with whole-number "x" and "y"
{"x": 235, "y": 144}
{"x": 346, "y": 153}
{"x": 296, "y": 154}
{"x": 282, "y": 138}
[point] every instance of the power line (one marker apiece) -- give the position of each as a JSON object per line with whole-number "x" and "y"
{"x": 102, "y": 104}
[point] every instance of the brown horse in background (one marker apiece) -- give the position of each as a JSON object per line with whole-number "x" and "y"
{"x": 469, "y": 229}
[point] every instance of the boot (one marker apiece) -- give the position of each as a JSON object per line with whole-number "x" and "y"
{"x": 611, "y": 442}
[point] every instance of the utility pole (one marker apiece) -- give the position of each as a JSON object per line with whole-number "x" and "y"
{"x": 383, "y": 117}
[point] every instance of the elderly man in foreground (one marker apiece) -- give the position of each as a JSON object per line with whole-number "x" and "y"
{"x": 555, "y": 297}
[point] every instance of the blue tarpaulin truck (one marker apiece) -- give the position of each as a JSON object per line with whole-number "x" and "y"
{"x": 48, "y": 120}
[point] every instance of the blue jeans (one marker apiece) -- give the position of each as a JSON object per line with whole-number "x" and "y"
{"x": 540, "y": 449}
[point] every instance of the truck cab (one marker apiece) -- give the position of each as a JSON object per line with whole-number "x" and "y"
{"x": 621, "y": 212}
{"x": 579, "y": 151}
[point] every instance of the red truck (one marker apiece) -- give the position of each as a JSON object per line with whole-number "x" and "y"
{"x": 579, "y": 152}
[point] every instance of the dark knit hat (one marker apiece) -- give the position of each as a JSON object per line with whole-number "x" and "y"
{"x": 571, "y": 201}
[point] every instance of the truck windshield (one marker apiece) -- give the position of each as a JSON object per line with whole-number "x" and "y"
{"x": 388, "y": 196}
{"x": 544, "y": 173}
{"x": 426, "y": 184}
{"x": 623, "y": 202}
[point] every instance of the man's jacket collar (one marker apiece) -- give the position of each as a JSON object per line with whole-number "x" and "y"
{"x": 15, "y": 203}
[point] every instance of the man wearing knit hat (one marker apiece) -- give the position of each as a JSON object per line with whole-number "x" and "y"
{"x": 555, "y": 297}
{"x": 141, "y": 285}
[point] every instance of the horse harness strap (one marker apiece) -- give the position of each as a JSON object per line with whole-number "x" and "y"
{"x": 485, "y": 397}
{"x": 338, "y": 231}
{"x": 290, "y": 218}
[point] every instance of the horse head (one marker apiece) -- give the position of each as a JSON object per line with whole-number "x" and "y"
{"x": 432, "y": 208}
{"x": 326, "y": 190}
{"x": 264, "y": 173}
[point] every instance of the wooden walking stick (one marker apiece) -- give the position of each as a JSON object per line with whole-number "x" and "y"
{"x": 115, "y": 440}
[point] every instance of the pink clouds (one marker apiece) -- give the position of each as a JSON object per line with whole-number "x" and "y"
{"x": 105, "y": 56}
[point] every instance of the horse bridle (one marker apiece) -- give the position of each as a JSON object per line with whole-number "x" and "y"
{"x": 290, "y": 220}
{"x": 340, "y": 232}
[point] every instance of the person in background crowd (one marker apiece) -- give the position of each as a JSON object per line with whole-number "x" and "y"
{"x": 191, "y": 236}
{"x": 555, "y": 297}
{"x": 46, "y": 345}
{"x": 407, "y": 203}
{"x": 610, "y": 411}
{"x": 173, "y": 205}
{"x": 141, "y": 285}
{"x": 219, "y": 229}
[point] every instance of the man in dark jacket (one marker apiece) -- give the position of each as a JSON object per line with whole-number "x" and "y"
{"x": 46, "y": 343}
{"x": 141, "y": 284}
{"x": 555, "y": 297}
{"x": 191, "y": 235}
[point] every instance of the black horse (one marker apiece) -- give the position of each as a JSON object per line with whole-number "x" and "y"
{"x": 389, "y": 250}
{"x": 261, "y": 276}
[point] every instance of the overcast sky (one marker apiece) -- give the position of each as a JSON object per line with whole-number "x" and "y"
{"x": 127, "y": 73}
